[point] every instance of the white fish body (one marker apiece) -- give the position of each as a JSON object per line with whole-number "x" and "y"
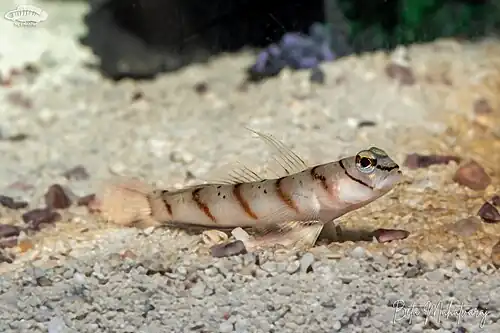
{"x": 317, "y": 194}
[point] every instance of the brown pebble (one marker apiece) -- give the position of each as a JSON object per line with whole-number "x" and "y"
{"x": 91, "y": 202}
{"x": 466, "y": 227}
{"x": 388, "y": 235}
{"x": 400, "y": 73}
{"x": 21, "y": 186}
{"x": 228, "y": 249}
{"x": 31, "y": 69}
{"x": 128, "y": 254}
{"x": 137, "y": 95}
{"x": 25, "y": 245}
{"x": 11, "y": 203}
{"x": 17, "y": 137}
{"x": 77, "y": 173}
{"x": 8, "y": 242}
{"x": 201, "y": 88}
{"x": 473, "y": 176}
{"x": 416, "y": 161}
{"x": 495, "y": 255}
{"x": 482, "y": 107}
{"x": 489, "y": 213}
{"x": 366, "y": 123}
{"x": 8, "y": 230}
{"x": 6, "y": 257}
{"x": 38, "y": 216}
{"x": 495, "y": 200}
{"x": 19, "y": 99}
{"x": 56, "y": 197}
{"x": 86, "y": 200}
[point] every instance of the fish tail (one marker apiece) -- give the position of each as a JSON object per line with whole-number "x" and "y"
{"x": 126, "y": 202}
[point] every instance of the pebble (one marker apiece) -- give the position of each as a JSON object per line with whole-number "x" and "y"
{"x": 435, "y": 275}
{"x": 57, "y": 325}
{"x": 182, "y": 157}
{"x": 403, "y": 74}
{"x": 306, "y": 262}
{"x": 417, "y": 161}
{"x": 473, "y": 176}
{"x": 9, "y": 202}
{"x": 317, "y": 76}
{"x": 8, "y": 230}
{"x": 86, "y": 200}
{"x": 39, "y": 216}
{"x": 230, "y": 249}
{"x": 148, "y": 231}
{"x": 358, "y": 252}
{"x": 337, "y": 325}
{"x": 226, "y": 327}
{"x": 389, "y": 235}
{"x": 466, "y": 227}
{"x": 460, "y": 265}
{"x": 495, "y": 200}
{"x": 489, "y": 213}
{"x": 428, "y": 259}
{"x": 293, "y": 267}
{"x": 56, "y": 197}
{"x": 495, "y": 254}
{"x": 77, "y": 173}
{"x": 285, "y": 290}
{"x": 198, "y": 290}
{"x": 269, "y": 266}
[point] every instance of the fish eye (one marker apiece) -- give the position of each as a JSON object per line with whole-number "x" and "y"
{"x": 365, "y": 163}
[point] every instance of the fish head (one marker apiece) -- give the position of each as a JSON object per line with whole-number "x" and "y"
{"x": 371, "y": 173}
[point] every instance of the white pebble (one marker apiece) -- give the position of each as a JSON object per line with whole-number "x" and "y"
{"x": 149, "y": 231}
{"x": 293, "y": 267}
{"x": 183, "y": 157}
{"x": 460, "y": 265}
{"x": 225, "y": 327}
{"x": 157, "y": 147}
{"x": 56, "y": 325}
{"x": 306, "y": 261}
{"x": 358, "y": 252}
{"x": 79, "y": 278}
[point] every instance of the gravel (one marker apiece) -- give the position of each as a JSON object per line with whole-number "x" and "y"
{"x": 81, "y": 275}
{"x": 286, "y": 294}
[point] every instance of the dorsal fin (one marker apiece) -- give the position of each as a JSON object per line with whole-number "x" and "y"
{"x": 234, "y": 173}
{"x": 287, "y": 162}
{"x": 286, "y": 159}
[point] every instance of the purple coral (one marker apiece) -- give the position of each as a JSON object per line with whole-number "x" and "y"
{"x": 294, "y": 50}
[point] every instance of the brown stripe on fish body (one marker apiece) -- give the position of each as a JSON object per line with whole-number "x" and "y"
{"x": 201, "y": 205}
{"x": 161, "y": 209}
{"x": 243, "y": 202}
{"x": 316, "y": 175}
{"x": 167, "y": 204}
{"x": 285, "y": 197}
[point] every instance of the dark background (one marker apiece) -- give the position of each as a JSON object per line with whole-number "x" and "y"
{"x": 140, "y": 38}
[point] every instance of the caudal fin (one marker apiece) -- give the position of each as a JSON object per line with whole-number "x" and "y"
{"x": 125, "y": 202}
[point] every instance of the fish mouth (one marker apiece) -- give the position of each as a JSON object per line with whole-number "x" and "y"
{"x": 390, "y": 180}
